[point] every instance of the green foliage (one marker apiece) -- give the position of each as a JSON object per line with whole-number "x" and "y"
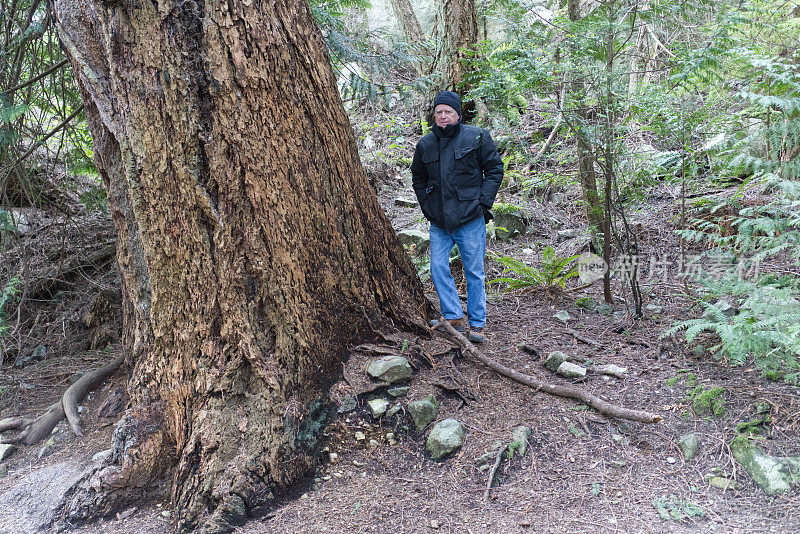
{"x": 765, "y": 323}
{"x": 422, "y": 262}
{"x": 7, "y": 296}
{"x": 674, "y": 509}
{"x": 503, "y": 207}
{"x": 707, "y": 401}
{"x": 553, "y": 271}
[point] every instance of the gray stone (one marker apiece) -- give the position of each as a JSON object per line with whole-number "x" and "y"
{"x": 32, "y": 503}
{"x": 47, "y": 448}
{"x": 724, "y": 483}
{"x": 509, "y": 225}
{"x": 420, "y": 241}
{"x": 773, "y": 474}
{"x": 377, "y": 407}
{"x": 612, "y": 370}
{"x": 519, "y": 441}
{"x": 570, "y": 233}
{"x": 563, "y": 316}
{"x": 390, "y": 369}
{"x": 571, "y": 370}
{"x": 102, "y": 456}
{"x": 348, "y": 405}
{"x": 405, "y": 203}
{"x": 619, "y": 439}
{"x": 360, "y": 436}
{"x": 554, "y": 360}
{"x": 397, "y": 392}
{"x": 423, "y": 412}
{"x": 393, "y": 410}
{"x": 558, "y": 199}
{"x": 604, "y": 308}
{"x": 688, "y": 444}
{"x": 6, "y": 450}
{"x": 446, "y": 437}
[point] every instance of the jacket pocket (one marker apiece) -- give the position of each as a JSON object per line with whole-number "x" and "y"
{"x": 468, "y": 205}
{"x": 467, "y": 168}
{"x": 431, "y": 161}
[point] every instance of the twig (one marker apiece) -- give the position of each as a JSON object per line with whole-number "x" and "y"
{"x": 497, "y": 461}
{"x": 586, "y": 340}
{"x": 569, "y": 392}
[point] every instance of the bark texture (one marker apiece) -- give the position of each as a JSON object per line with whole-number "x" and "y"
{"x": 407, "y": 20}
{"x": 456, "y": 32}
{"x": 251, "y": 248}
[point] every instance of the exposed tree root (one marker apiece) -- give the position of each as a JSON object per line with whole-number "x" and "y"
{"x": 32, "y": 431}
{"x": 569, "y": 392}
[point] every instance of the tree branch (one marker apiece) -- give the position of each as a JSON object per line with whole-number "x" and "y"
{"x": 569, "y": 392}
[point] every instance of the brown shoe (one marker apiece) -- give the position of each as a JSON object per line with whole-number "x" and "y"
{"x": 476, "y": 335}
{"x": 457, "y": 324}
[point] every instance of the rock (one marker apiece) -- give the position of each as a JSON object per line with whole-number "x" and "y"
{"x": 405, "y": 203}
{"x": 390, "y": 438}
{"x": 102, "y": 456}
{"x": 519, "y": 441}
{"x": 446, "y": 437}
{"x": 397, "y": 392}
{"x": 373, "y": 443}
{"x": 571, "y": 370}
{"x": 619, "y": 439}
{"x": 554, "y": 360}
{"x": 47, "y": 448}
{"x": 558, "y": 199}
{"x": 32, "y": 503}
{"x": 419, "y": 240}
{"x": 671, "y": 460}
{"x": 772, "y": 474}
{"x": 360, "y": 436}
{"x": 612, "y": 370}
{"x": 604, "y": 308}
{"x": 393, "y": 410}
{"x": 434, "y": 524}
{"x": 423, "y": 412}
{"x": 655, "y": 308}
{"x": 619, "y": 464}
{"x": 377, "y": 407}
{"x": 390, "y": 369}
{"x": 333, "y": 457}
{"x": 570, "y": 233}
{"x": 509, "y": 225}
{"x": 6, "y": 450}
{"x": 688, "y": 444}
{"x": 724, "y": 483}
{"x": 563, "y": 316}
{"x": 348, "y": 405}
{"x": 39, "y": 353}
{"x": 165, "y": 513}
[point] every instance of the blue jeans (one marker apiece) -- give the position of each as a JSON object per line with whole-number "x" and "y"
{"x": 471, "y": 240}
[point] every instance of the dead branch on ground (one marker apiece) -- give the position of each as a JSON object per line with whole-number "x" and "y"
{"x": 569, "y": 392}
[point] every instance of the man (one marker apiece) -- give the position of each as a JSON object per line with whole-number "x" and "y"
{"x": 456, "y": 174}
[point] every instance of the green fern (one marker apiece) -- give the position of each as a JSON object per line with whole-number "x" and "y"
{"x": 553, "y": 271}
{"x": 7, "y": 296}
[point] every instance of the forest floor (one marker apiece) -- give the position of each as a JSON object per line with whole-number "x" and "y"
{"x": 583, "y": 472}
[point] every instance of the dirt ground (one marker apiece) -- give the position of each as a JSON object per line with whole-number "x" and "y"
{"x": 583, "y": 472}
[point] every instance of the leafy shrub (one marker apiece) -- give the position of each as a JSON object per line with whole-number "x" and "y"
{"x": 7, "y": 296}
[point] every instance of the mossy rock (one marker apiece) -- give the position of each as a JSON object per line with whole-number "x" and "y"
{"x": 708, "y": 401}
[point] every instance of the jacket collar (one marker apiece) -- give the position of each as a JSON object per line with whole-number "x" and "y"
{"x": 451, "y": 130}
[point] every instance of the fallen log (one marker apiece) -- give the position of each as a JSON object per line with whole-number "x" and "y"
{"x": 569, "y": 392}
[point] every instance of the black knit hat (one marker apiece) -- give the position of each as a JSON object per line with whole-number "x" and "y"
{"x": 448, "y": 98}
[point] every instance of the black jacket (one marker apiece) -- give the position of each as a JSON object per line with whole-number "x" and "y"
{"x": 456, "y": 174}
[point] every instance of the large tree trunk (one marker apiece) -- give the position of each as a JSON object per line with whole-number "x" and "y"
{"x": 251, "y": 248}
{"x": 456, "y": 32}
{"x": 407, "y": 20}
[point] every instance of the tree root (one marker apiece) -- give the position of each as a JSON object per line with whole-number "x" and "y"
{"x": 32, "y": 431}
{"x": 569, "y": 392}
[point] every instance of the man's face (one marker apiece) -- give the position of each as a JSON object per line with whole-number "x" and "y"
{"x": 445, "y": 115}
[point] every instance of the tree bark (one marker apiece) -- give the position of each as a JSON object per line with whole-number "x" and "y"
{"x": 251, "y": 248}
{"x": 407, "y": 20}
{"x": 456, "y": 33}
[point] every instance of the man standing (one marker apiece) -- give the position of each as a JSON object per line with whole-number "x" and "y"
{"x": 456, "y": 174}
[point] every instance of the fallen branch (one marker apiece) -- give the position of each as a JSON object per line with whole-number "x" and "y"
{"x": 497, "y": 461}
{"x": 32, "y": 431}
{"x": 569, "y": 392}
{"x": 586, "y": 340}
